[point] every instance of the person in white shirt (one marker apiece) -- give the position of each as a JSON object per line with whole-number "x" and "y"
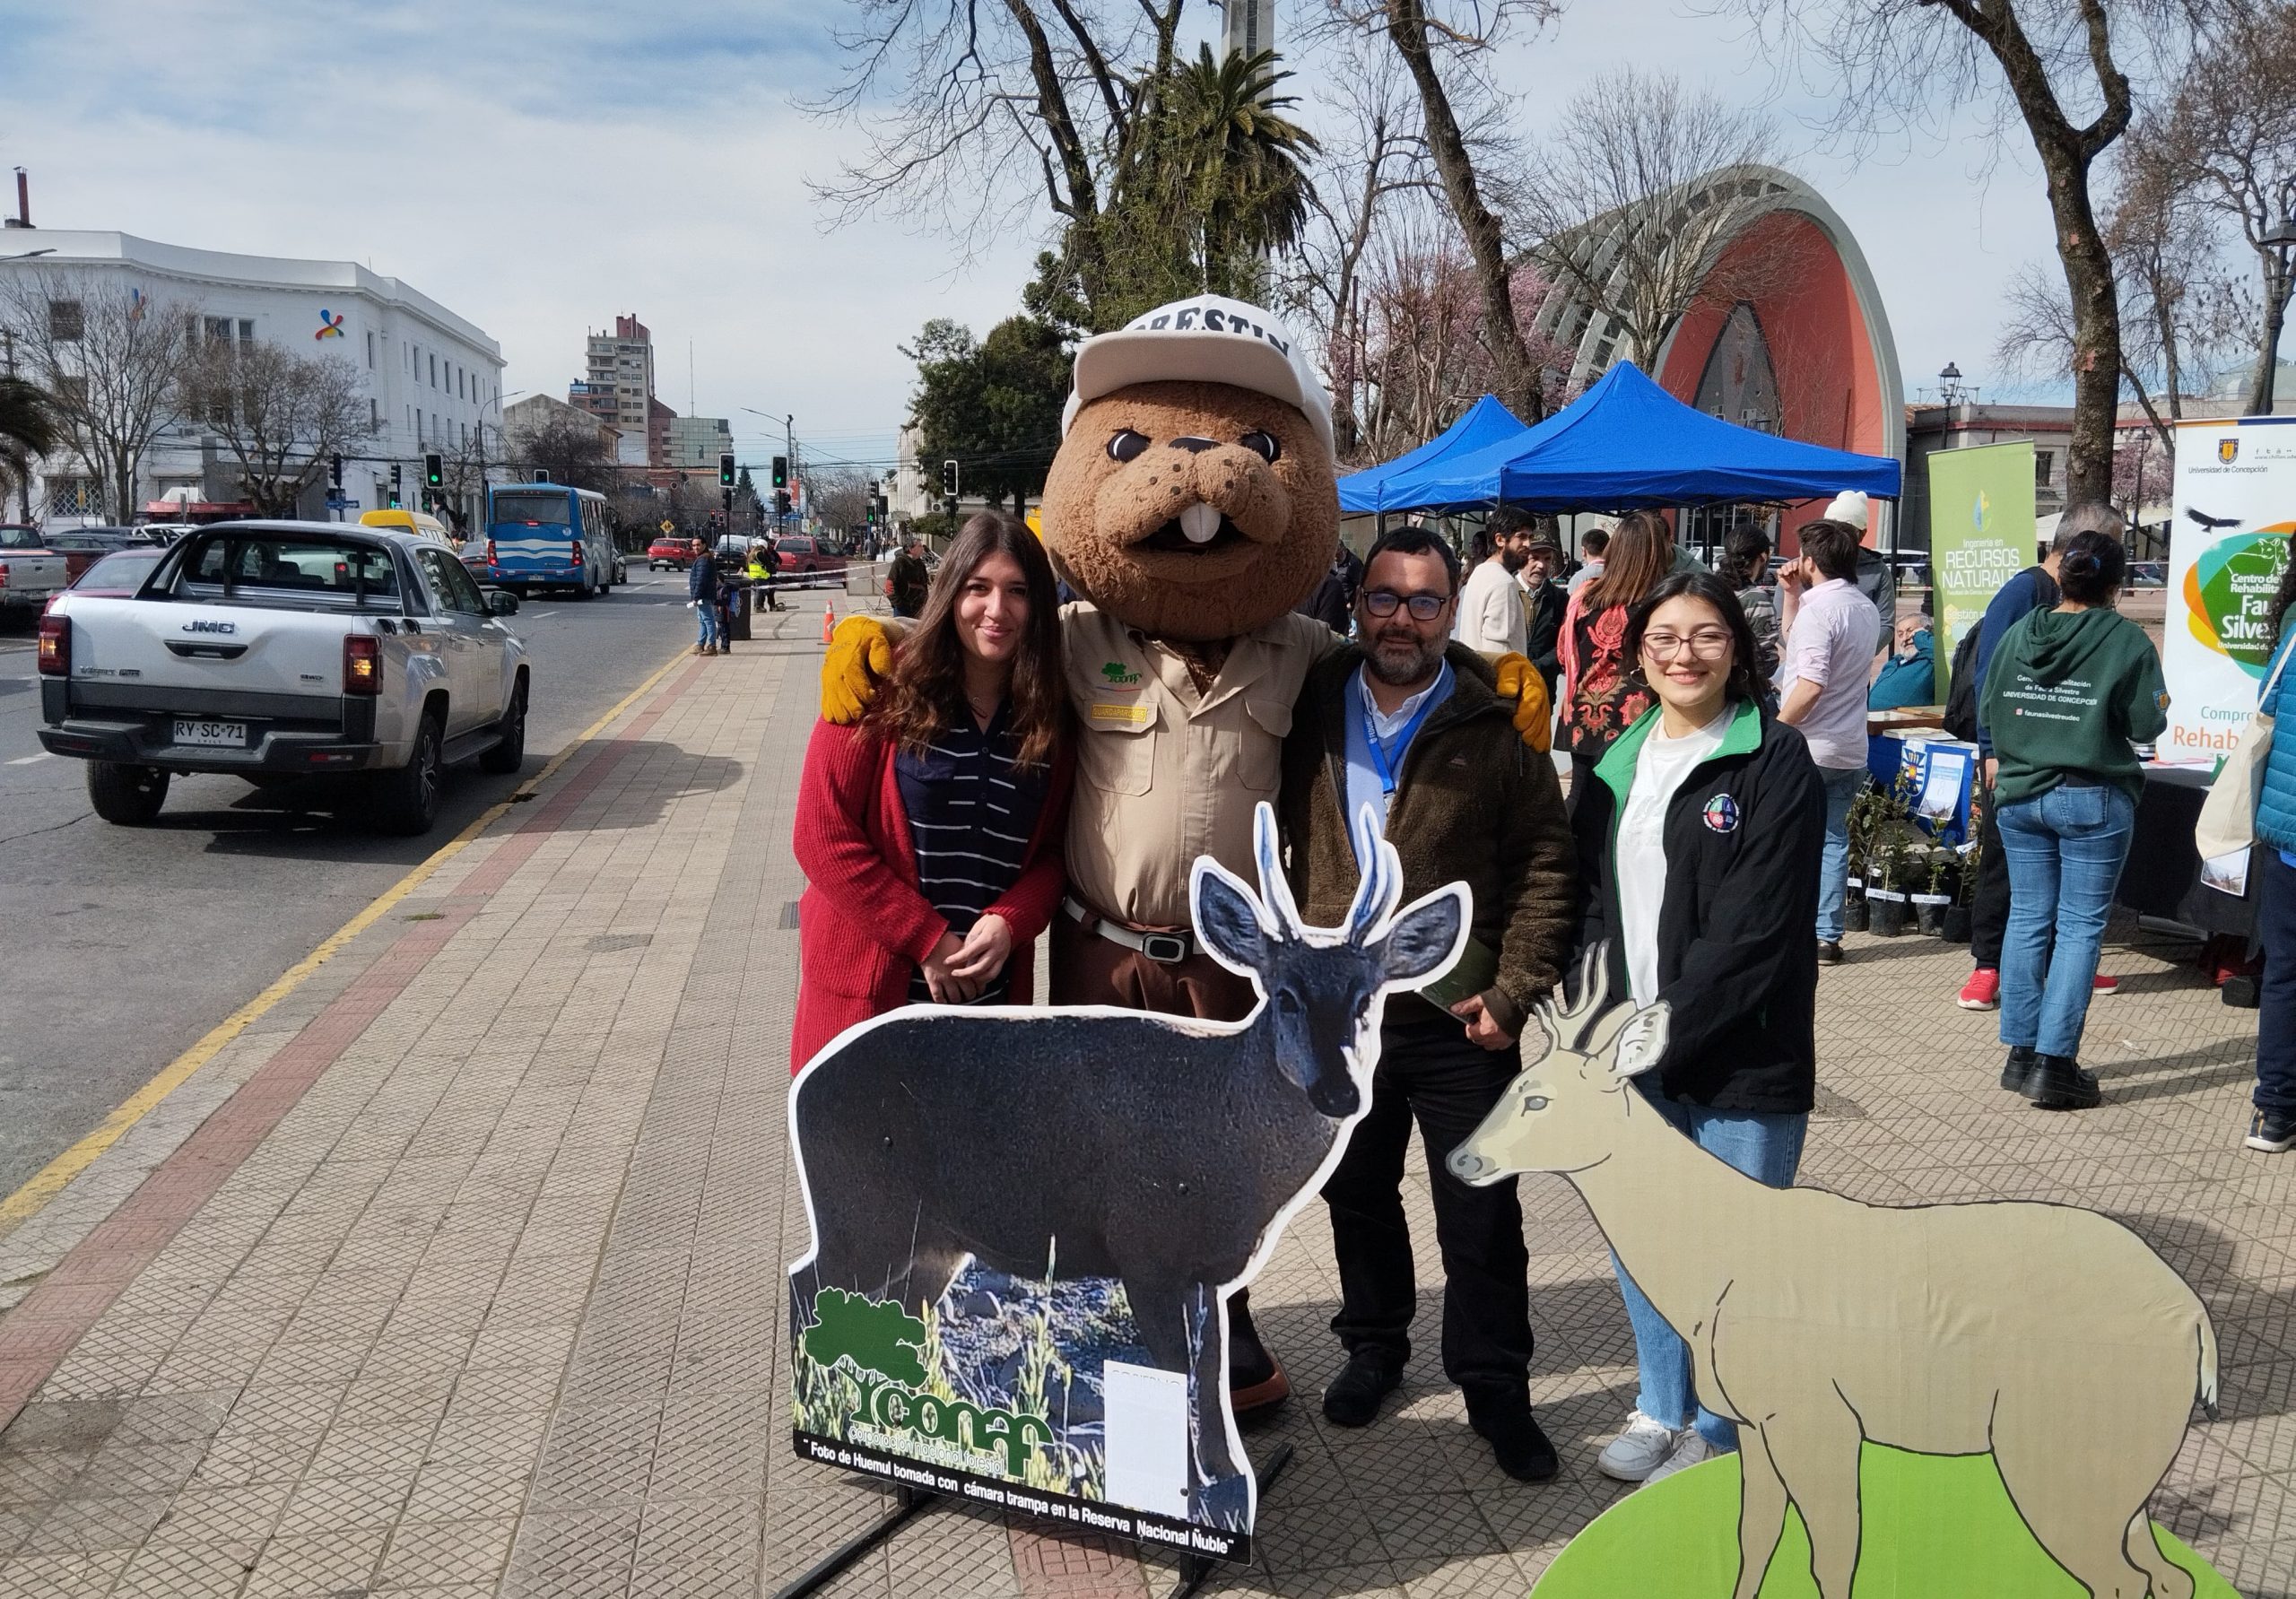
{"x": 1491, "y": 603}
{"x": 1832, "y": 632}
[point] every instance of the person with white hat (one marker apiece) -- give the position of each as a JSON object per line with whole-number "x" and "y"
{"x": 1875, "y": 580}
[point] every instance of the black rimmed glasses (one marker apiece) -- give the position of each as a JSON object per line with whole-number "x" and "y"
{"x": 1424, "y": 607}
{"x": 1708, "y": 644}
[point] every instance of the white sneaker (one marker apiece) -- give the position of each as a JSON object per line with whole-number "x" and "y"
{"x": 1634, "y": 1454}
{"x": 1690, "y": 1449}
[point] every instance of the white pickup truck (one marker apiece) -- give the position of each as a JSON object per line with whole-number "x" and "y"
{"x": 31, "y": 573}
{"x": 271, "y": 649}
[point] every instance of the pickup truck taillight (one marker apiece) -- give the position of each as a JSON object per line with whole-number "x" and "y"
{"x": 55, "y": 647}
{"x": 363, "y": 665}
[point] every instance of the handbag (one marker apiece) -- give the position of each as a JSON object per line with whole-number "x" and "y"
{"x": 2228, "y": 818}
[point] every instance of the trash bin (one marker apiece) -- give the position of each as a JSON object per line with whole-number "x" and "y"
{"x": 737, "y": 612}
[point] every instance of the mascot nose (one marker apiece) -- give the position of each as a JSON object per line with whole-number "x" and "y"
{"x": 1194, "y": 445}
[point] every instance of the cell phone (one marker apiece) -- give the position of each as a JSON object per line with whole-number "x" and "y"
{"x": 1475, "y": 971}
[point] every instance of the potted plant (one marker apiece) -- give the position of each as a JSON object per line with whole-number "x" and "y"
{"x": 1929, "y": 908}
{"x": 1861, "y": 842}
{"x": 1885, "y": 899}
{"x": 1960, "y": 916}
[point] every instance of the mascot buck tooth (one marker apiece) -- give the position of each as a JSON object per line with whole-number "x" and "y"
{"x": 1192, "y": 503}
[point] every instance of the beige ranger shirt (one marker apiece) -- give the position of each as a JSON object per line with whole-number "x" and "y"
{"x": 1165, "y": 775}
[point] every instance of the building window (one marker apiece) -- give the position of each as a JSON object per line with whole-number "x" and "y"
{"x": 218, "y": 329}
{"x": 434, "y": 372}
{"x": 67, "y": 321}
{"x": 370, "y": 349}
{"x": 247, "y": 330}
{"x": 374, "y": 413}
{"x": 2044, "y": 468}
{"x": 73, "y": 497}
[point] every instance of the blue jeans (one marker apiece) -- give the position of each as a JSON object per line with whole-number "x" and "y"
{"x": 2066, "y": 850}
{"x": 2275, "y": 1091}
{"x": 1841, "y": 786}
{"x": 712, "y": 627}
{"x": 1768, "y": 1148}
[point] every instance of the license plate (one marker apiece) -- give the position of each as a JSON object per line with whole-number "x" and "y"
{"x": 230, "y": 735}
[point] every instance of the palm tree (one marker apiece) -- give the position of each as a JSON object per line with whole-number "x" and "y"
{"x": 1241, "y": 160}
{"x": 28, "y": 430}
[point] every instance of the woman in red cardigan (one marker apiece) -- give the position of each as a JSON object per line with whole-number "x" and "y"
{"x": 929, "y": 831}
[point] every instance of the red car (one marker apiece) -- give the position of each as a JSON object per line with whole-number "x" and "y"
{"x": 801, "y": 553}
{"x": 675, "y": 553}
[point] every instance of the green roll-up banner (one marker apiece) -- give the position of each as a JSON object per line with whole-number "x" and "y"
{"x": 1980, "y": 536}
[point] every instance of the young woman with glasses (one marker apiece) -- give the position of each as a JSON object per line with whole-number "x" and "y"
{"x": 1699, "y": 840}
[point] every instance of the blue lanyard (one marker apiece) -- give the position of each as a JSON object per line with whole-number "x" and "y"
{"x": 1379, "y": 762}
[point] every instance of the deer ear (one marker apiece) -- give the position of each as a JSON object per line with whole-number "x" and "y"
{"x": 1641, "y": 1042}
{"x": 1227, "y": 919}
{"x": 1426, "y": 938}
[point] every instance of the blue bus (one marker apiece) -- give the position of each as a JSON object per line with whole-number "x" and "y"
{"x": 548, "y": 536}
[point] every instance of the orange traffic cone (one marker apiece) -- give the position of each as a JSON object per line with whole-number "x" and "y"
{"x": 829, "y": 622}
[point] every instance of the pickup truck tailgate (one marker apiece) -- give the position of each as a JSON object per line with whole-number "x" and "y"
{"x": 242, "y": 649}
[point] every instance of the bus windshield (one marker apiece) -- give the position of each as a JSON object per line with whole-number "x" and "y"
{"x": 548, "y": 507}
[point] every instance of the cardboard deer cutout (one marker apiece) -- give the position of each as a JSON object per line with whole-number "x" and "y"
{"x": 2051, "y": 1336}
{"x": 1090, "y": 1143}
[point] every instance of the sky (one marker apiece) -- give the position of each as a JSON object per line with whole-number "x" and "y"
{"x": 541, "y": 166}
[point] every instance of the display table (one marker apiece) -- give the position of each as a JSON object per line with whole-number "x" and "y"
{"x": 2162, "y": 876}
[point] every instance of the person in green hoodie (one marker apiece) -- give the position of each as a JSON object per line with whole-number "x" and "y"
{"x": 2069, "y": 691}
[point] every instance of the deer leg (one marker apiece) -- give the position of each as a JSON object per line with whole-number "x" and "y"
{"x": 1814, "y": 1448}
{"x": 1180, "y": 1326}
{"x": 2080, "y": 1516}
{"x": 1762, "y": 1511}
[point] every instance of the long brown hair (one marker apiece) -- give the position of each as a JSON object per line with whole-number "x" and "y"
{"x": 1640, "y": 553}
{"x": 924, "y": 694}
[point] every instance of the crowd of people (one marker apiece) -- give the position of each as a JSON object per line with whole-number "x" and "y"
{"x": 1715, "y": 723}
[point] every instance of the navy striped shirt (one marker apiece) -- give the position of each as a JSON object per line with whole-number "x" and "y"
{"x": 971, "y": 809}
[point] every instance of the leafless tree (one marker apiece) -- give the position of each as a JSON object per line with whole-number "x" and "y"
{"x": 569, "y": 446}
{"x": 840, "y": 497}
{"x": 974, "y": 113}
{"x": 2062, "y": 69}
{"x": 1446, "y": 48}
{"x": 110, "y": 357}
{"x": 278, "y": 413}
{"x": 2181, "y": 313}
{"x": 1630, "y": 217}
{"x": 2230, "y": 134}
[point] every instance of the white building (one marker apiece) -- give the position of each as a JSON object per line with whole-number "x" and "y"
{"x": 431, "y": 379}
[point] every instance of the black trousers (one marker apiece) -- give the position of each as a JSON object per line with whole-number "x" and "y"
{"x": 1428, "y": 1071}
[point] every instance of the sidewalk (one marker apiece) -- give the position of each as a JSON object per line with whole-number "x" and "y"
{"x": 461, "y": 1271}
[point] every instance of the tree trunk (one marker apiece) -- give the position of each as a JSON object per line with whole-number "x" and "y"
{"x": 124, "y": 486}
{"x": 2096, "y": 327}
{"x": 1518, "y": 380}
{"x": 2277, "y": 279}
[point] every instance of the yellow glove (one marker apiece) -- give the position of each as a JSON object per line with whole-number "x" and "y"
{"x": 860, "y": 652}
{"x": 1520, "y": 682}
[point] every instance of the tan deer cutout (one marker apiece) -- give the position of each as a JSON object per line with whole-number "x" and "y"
{"x": 2049, "y": 1335}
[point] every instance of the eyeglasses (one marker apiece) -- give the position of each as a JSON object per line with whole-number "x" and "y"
{"x": 1708, "y": 644}
{"x": 1424, "y": 607}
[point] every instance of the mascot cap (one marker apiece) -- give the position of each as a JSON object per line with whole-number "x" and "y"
{"x": 1205, "y": 338}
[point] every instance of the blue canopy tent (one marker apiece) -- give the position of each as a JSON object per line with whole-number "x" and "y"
{"x": 1486, "y": 423}
{"x": 1625, "y": 445}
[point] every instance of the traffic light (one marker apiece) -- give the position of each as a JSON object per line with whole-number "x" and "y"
{"x": 434, "y": 471}
{"x": 541, "y": 474}
{"x": 949, "y": 479}
{"x": 781, "y": 502}
{"x": 724, "y": 471}
{"x": 780, "y": 472}
{"x": 334, "y": 472}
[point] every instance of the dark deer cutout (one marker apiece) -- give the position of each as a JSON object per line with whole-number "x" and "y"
{"x": 1092, "y": 1142}
{"x": 2047, "y": 1334}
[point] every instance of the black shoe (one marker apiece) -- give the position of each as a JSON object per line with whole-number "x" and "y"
{"x": 2017, "y": 1072}
{"x": 2271, "y": 1132}
{"x": 2059, "y": 1083}
{"x": 1828, "y": 953}
{"x": 1370, "y": 1375}
{"x": 1517, "y": 1442}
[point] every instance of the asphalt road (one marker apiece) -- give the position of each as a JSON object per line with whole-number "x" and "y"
{"x": 123, "y": 946}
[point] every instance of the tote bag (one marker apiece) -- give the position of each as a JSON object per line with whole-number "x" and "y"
{"x": 2228, "y": 818}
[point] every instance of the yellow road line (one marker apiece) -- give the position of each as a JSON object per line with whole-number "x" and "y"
{"x": 45, "y": 1184}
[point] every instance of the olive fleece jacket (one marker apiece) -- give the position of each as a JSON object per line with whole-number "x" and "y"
{"x": 1472, "y": 806}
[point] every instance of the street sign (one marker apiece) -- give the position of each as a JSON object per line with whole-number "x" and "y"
{"x": 337, "y": 502}
{"x": 668, "y": 526}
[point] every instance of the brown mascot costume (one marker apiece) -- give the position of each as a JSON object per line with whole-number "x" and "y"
{"x": 1194, "y": 502}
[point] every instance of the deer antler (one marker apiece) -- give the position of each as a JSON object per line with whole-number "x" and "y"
{"x": 1381, "y": 883}
{"x": 1570, "y": 1023}
{"x": 1274, "y": 892}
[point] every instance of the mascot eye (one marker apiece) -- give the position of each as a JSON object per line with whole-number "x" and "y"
{"x": 1126, "y": 445}
{"x": 1262, "y": 445}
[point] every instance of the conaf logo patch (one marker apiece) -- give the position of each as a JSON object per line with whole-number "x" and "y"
{"x": 1721, "y": 814}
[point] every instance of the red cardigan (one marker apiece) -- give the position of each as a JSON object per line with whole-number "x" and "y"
{"x": 863, "y": 926}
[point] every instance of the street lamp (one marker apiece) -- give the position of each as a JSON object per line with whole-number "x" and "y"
{"x": 1949, "y": 384}
{"x": 2280, "y": 237}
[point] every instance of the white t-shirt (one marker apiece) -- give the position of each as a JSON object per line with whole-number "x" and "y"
{"x": 1641, "y": 848}
{"x": 1490, "y": 610}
